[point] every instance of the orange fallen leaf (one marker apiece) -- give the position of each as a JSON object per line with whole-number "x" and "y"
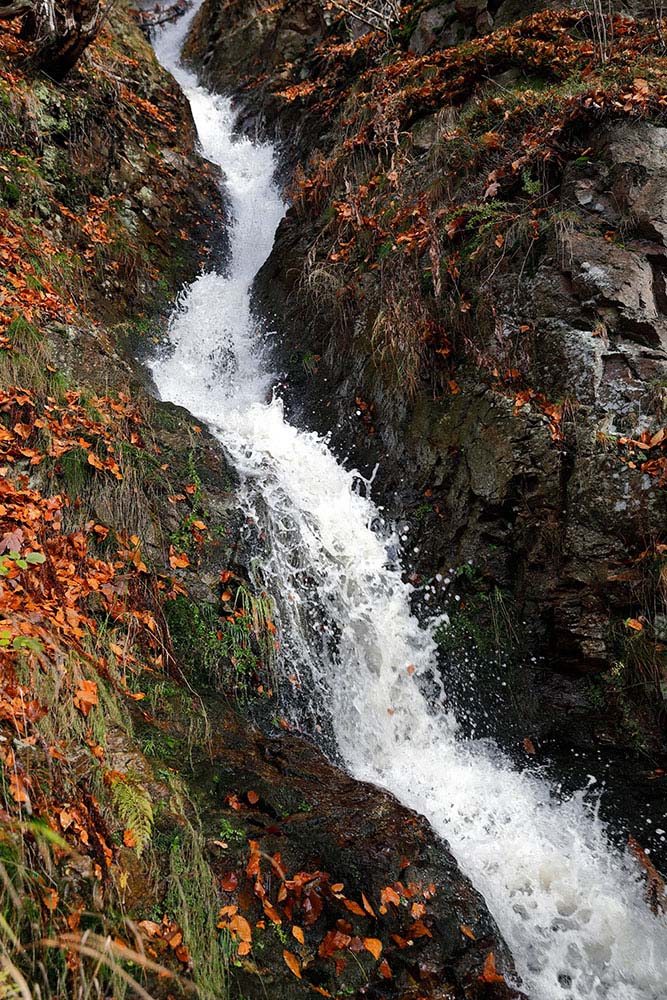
{"x": 401, "y": 941}
{"x": 177, "y": 560}
{"x": 18, "y": 789}
{"x": 419, "y": 929}
{"x": 240, "y": 926}
{"x": 86, "y": 696}
{"x": 271, "y": 911}
{"x": 384, "y": 970}
{"x": 182, "y": 954}
{"x": 353, "y": 907}
{"x": 298, "y": 934}
{"x": 150, "y": 927}
{"x": 389, "y": 895}
{"x": 50, "y": 898}
{"x": 333, "y": 941}
{"x": 129, "y": 838}
{"x": 253, "y": 798}
{"x": 467, "y": 931}
{"x": 374, "y": 945}
{"x": 489, "y": 974}
{"x": 292, "y": 963}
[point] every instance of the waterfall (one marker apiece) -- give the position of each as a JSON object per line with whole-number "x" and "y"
{"x": 568, "y": 903}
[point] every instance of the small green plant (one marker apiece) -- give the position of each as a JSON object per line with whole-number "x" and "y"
{"x": 193, "y": 900}
{"x": 134, "y": 807}
{"x": 20, "y": 643}
{"x": 229, "y": 834}
{"x": 423, "y": 511}
{"x": 280, "y": 934}
{"x": 385, "y": 250}
{"x": 530, "y": 185}
{"x": 182, "y": 538}
{"x": 310, "y": 362}
{"x": 466, "y": 571}
{"x": 21, "y": 561}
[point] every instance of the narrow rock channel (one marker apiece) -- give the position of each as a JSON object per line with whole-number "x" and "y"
{"x": 569, "y": 905}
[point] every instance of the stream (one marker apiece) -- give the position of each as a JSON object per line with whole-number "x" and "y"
{"x": 362, "y": 668}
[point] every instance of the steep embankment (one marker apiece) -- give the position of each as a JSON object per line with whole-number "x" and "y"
{"x": 469, "y": 291}
{"x": 150, "y": 836}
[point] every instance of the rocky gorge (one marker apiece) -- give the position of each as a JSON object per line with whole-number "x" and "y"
{"x": 140, "y": 804}
{"x": 467, "y": 294}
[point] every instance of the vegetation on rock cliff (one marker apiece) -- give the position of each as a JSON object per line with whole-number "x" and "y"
{"x": 471, "y": 189}
{"x": 152, "y": 843}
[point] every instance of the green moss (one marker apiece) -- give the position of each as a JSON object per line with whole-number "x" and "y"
{"x": 192, "y": 899}
{"x": 10, "y": 193}
{"x": 212, "y": 650}
{"x": 74, "y": 471}
{"x": 23, "y": 335}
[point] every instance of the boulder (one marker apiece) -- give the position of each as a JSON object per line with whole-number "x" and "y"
{"x": 283, "y": 795}
{"x": 430, "y": 24}
{"x": 619, "y": 284}
{"x": 637, "y": 155}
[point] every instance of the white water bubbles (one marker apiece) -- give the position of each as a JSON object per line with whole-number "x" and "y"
{"x": 214, "y": 364}
{"x": 569, "y": 905}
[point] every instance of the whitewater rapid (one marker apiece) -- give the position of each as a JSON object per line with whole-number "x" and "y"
{"x": 569, "y": 905}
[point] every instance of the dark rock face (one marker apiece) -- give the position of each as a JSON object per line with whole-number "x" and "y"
{"x": 557, "y": 526}
{"x": 558, "y": 523}
{"x": 231, "y": 44}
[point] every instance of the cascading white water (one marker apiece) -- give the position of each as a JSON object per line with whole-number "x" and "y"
{"x": 569, "y": 905}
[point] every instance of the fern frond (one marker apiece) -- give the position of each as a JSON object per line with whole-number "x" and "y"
{"x": 134, "y": 808}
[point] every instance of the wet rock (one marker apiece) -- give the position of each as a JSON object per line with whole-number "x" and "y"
{"x": 425, "y": 133}
{"x": 506, "y": 79}
{"x": 147, "y": 197}
{"x": 228, "y": 48}
{"x": 360, "y": 837}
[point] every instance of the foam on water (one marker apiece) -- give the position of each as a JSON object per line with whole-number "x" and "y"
{"x": 569, "y": 905}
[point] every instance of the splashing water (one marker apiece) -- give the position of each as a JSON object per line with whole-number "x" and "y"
{"x": 569, "y": 905}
